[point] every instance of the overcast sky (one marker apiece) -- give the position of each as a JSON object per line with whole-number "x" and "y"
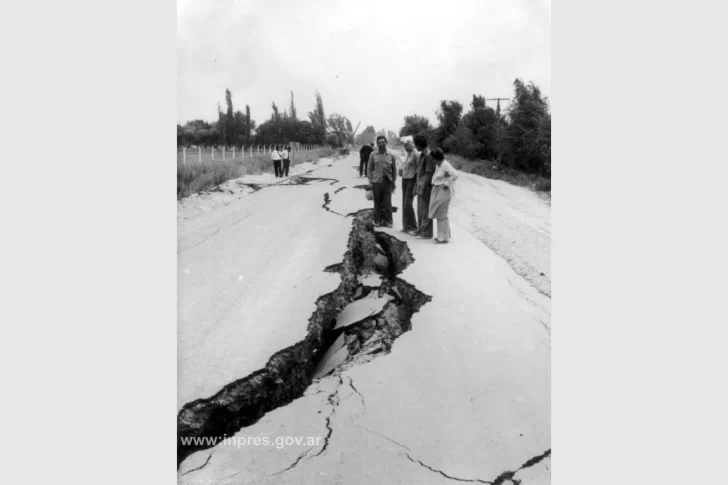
{"x": 373, "y": 61}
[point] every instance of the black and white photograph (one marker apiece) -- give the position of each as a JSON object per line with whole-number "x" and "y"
{"x": 366, "y": 276}
{"x": 363, "y": 242}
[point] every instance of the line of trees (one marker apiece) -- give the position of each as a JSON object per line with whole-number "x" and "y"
{"x": 525, "y": 129}
{"x": 369, "y": 135}
{"x": 235, "y": 128}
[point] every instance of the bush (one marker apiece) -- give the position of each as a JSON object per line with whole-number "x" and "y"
{"x": 543, "y": 185}
{"x": 489, "y": 169}
{"x": 462, "y": 142}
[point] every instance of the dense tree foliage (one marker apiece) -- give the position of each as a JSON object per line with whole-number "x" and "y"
{"x": 415, "y": 125}
{"x": 525, "y": 130}
{"x": 318, "y": 120}
{"x": 367, "y": 136}
{"x": 449, "y": 115}
{"x": 235, "y": 128}
{"x": 340, "y": 130}
{"x": 528, "y": 136}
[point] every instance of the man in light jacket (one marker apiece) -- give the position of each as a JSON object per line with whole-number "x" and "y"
{"x": 409, "y": 181}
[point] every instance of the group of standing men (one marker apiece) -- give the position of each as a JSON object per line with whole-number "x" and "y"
{"x": 425, "y": 175}
{"x": 280, "y": 154}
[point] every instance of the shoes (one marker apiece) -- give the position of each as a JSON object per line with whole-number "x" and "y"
{"x": 420, "y": 236}
{"x": 412, "y": 233}
{"x": 437, "y": 241}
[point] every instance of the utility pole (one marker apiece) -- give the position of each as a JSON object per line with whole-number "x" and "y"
{"x": 497, "y": 115}
{"x": 350, "y": 141}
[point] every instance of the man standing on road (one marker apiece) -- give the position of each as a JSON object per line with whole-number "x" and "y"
{"x": 276, "y": 157}
{"x": 285, "y": 155}
{"x": 364, "y": 153}
{"x": 409, "y": 180}
{"x": 425, "y": 170}
{"x": 382, "y": 173}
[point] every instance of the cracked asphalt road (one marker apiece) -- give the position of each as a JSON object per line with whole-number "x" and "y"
{"x": 463, "y": 396}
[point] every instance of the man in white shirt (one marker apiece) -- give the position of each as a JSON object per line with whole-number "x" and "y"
{"x": 275, "y": 155}
{"x": 286, "y": 157}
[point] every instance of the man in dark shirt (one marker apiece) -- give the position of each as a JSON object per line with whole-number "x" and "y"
{"x": 423, "y": 189}
{"x": 382, "y": 173}
{"x": 364, "y": 153}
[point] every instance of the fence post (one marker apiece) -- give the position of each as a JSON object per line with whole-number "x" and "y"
{"x": 212, "y": 153}
{"x": 199, "y": 153}
{"x": 233, "y": 153}
{"x": 223, "y": 153}
{"x": 184, "y": 156}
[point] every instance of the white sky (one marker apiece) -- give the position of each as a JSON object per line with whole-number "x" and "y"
{"x": 373, "y": 61}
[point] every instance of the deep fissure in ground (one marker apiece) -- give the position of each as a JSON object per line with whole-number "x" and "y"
{"x": 290, "y": 371}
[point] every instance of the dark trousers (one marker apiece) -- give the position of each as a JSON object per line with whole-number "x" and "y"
{"x": 423, "y": 210}
{"x": 277, "y": 168}
{"x": 286, "y": 164}
{"x": 363, "y": 167}
{"x": 409, "y": 222}
{"x": 382, "y": 202}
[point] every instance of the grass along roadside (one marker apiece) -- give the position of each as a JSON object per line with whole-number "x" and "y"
{"x": 194, "y": 177}
{"x": 484, "y": 168}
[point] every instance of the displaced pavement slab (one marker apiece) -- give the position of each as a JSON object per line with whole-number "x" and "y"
{"x": 464, "y": 395}
{"x": 359, "y": 310}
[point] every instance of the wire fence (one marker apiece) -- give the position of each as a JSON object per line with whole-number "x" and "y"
{"x": 205, "y": 154}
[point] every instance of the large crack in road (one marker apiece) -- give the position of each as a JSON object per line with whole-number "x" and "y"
{"x": 291, "y": 371}
{"x": 203, "y": 423}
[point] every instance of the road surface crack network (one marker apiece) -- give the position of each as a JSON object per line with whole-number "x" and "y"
{"x": 199, "y": 467}
{"x": 474, "y": 480}
{"x": 203, "y": 423}
{"x": 193, "y": 247}
{"x": 501, "y": 479}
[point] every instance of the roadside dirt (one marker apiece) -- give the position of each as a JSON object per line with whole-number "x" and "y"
{"x": 512, "y": 221}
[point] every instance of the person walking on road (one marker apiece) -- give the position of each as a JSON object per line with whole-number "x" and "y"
{"x": 409, "y": 181}
{"x": 364, "y": 153}
{"x": 423, "y": 189}
{"x": 286, "y": 157}
{"x": 443, "y": 189}
{"x": 275, "y": 155}
{"x": 382, "y": 173}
